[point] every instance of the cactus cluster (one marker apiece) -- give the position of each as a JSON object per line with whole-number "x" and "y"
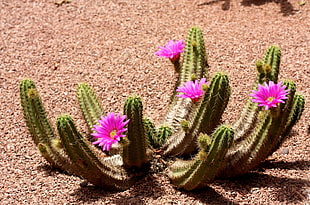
{"x": 192, "y": 137}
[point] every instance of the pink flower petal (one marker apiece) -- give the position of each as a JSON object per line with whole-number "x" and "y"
{"x": 171, "y": 50}
{"x": 192, "y": 90}
{"x": 269, "y": 95}
{"x": 110, "y": 130}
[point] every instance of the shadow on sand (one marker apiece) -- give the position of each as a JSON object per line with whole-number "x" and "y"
{"x": 286, "y": 8}
{"x": 284, "y": 189}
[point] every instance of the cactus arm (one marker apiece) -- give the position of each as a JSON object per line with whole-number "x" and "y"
{"x": 151, "y": 132}
{"x": 194, "y": 65}
{"x": 272, "y": 58}
{"x": 268, "y": 135}
{"x": 238, "y": 155}
{"x": 156, "y": 137}
{"x": 203, "y": 168}
{"x": 297, "y": 109}
{"x": 135, "y": 153}
{"x": 86, "y": 163}
{"x": 194, "y": 60}
{"x": 39, "y": 127}
{"x": 163, "y": 133}
{"x": 204, "y": 119}
{"x": 290, "y": 114}
{"x": 34, "y": 113}
{"x": 268, "y": 70}
{"x": 89, "y": 105}
{"x": 218, "y": 96}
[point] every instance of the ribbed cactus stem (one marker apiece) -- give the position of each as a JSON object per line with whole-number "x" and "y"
{"x": 205, "y": 118}
{"x": 34, "y": 113}
{"x": 89, "y": 105}
{"x": 88, "y": 164}
{"x": 272, "y": 61}
{"x": 238, "y": 155}
{"x": 39, "y": 126}
{"x": 135, "y": 153}
{"x": 214, "y": 103}
{"x": 194, "y": 64}
{"x": 198, "y": 172}
{"x": 290, "y": 113}
{"x": 194, "y": 58}
{"x": 247, "y": 119}
{"x": 266, "y": 137}
{"x": 163, "y": 132}
{"x": 150, "y": 131}
{"x": 298, "y": 106}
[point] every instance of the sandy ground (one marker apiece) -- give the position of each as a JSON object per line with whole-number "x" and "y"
{"x": 110, "y": 44}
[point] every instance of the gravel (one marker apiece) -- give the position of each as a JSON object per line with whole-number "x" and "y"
{"x": 110, "y": 44}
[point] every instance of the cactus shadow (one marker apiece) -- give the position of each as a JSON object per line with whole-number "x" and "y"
{"x": 225, "y": 4}
{"x": 49, "y": 170}
{"x": 296, "y": 165}
{"x": 286, "y": 8}
{"x": 208, "y": 195}
{"x": 147, "y": 187}
{"x": 284, "y": 189}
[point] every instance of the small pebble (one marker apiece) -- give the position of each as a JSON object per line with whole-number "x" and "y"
{"x": 285, "y": 151}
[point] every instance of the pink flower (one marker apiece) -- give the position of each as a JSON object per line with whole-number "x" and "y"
{"x": 269, "y": 94}
{"x": 110, "y": 130}
{"x": 171, "y": 50}
{"x": 192, "y": 89}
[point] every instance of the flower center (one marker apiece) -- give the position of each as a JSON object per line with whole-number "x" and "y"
{"x": 113, "y": 133}
{"x": 271, "y": 98}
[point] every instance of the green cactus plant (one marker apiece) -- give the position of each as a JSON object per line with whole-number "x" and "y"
{"x": 190, "y": 128}
{"x": 204, "y": 118}
{"x": 135, "y": 153}
{"x": 201, "y": 170}
{"x": 195, "y": 66}
{"x": 40, "y": 128}
{"x": 101, "y": 171}
{"x": 156, "y": 136}
{"x": 89, "y": 105}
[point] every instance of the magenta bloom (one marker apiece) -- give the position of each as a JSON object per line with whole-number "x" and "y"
{"x": 171, "y": 50}
{"x": 192, "y": 89}
{"x": 110, "y": 130}
{"x": 269, "y": 95}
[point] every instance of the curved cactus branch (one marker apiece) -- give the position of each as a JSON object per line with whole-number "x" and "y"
{"x": 39, "y": 127}
{"x": 268, "y": 134}
{"x": 107, "y": 174}
{"x": 204, "y": 167}
{"x": 206, "y": 116}
{"x": 194, "y": 65}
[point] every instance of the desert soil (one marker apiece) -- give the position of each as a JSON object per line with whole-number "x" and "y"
{"x": 110, "y": 44}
